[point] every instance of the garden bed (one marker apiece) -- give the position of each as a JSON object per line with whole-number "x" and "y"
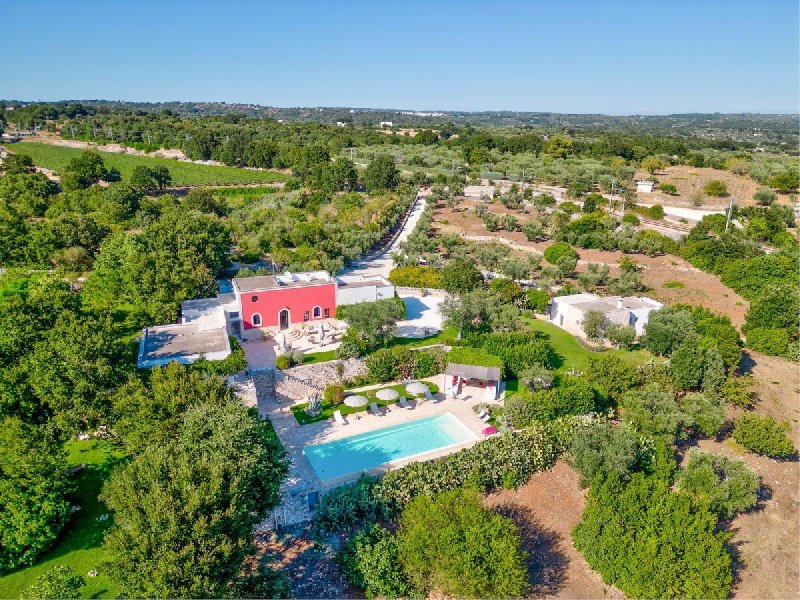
{"x": 299, "y": 410}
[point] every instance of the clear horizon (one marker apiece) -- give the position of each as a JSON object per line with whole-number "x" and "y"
{"x": 578, "y": 57}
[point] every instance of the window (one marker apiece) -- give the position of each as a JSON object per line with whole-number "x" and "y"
{"x": 254, "y": 298}
{"x": 257, "y": 319}
{"x": 317, "y": 312}
{"x": 234, "y": 314}
{"x": 327, "y": 313}
{"x": 305, "y": 316}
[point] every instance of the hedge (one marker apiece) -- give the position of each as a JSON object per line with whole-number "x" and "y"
{"x": 517, "y": 350}
{"x": 500, "y": 461}
{"x": 399, "y": 363}
{"x": 466, "y": 355}
{"x": 419, "y": 277}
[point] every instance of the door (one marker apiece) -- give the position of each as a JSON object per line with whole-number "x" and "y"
{"x": 283, "y": 319}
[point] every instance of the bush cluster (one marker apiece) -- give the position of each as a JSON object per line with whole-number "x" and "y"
{"x": 414, "y": 276}
{"x": 763, "y": 435}
{"x": 517, "y": 350}
{"x": 398, "y": 364}
{"x": 488, "y": 465}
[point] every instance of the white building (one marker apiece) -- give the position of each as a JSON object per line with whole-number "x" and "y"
{"x": 353, "y": 289}
{"x": 386, "y": 124}
{"x": 569, "y": 312}
{"x": 645, "y": 185}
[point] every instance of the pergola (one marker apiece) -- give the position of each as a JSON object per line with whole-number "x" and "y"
{"x": 458, "y": 375}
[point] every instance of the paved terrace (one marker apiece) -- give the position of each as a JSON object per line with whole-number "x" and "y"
{"x": 303, "y": 479}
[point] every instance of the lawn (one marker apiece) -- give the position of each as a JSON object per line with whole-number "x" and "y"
{"x": 443, "y": 337}
{"x": 299, "y": 410}
{"x": 183, "y": 173}
{"x": 320, "y": 357}
{"x": 79, "y": 545}
{"x": 572, "y": 354}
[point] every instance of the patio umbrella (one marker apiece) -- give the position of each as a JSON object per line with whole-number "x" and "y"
{"x": 387, "y": 394}
{"x": 356, "y": 401}
{"x": 416, "y": 388}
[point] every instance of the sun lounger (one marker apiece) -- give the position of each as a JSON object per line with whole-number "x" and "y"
{"x": 481, "y": 413}
{"x": 485, "y": 418}
{"x": 337, "y": 415}
{"x": 404, "y": 403}
{"x": 428, "y": 395}
{"x": 375, "y": 410}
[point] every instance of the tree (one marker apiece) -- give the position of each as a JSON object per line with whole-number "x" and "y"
{"x": 149, "y": 179}
{"x": 611, "y": 375}
{"x": 704, "y": 413}
{"x": 715, "y": 188}
{"x": 653, "y": 411}
{"x": 373, "y": 323}
{"x": 15, "y": 164}
{"x": 441, "y": 540}
{"x": 470, "y": 310}
{"x": 666, "y": 329}
{"x": 73, "y": 368}
{"x": 652, "y": 164}
{"x": 150, "y": 412}
{"x": 537, "y": 300}
{"x": 381, "y": 174}
{"x": 537, "y": 377}
{"x": 669, "y": 188}
{"x": 85, "y": 170}
{"x": 652, "y": 542}
{"x": 56, "y": 584}
{"x": 506, "y": 291}
{"x": 204, "y": 201}
{"x": 739, "y": 391}
{"x": 622, "y": 336}
{"x": 686, "y": 364}
{"x": 728, "y": 486}
{"x": 555, "y": 251}
{"x": 566, "y": 265}
{"x": 786, "y": 181}
{"x": 593, "y": 324}
{"x": 602, "y": 449}
{"x": 764, "y": 196}
{"x": 371, "y": 560}
{"x": 33, "y": 492}
{"x": 591, "y": 202}
{"x": 185, "y": 509}
{"x": 460, "y": 276}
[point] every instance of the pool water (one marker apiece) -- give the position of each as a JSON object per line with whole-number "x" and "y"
{"x": 357, "y": 453}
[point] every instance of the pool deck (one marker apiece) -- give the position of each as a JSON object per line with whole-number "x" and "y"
{"x": 302, "y": 478}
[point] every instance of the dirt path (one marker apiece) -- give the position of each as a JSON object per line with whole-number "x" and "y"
{"x": 546, "y": 509}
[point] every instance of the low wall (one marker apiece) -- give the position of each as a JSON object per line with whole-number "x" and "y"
{"x": 411, "y": 291}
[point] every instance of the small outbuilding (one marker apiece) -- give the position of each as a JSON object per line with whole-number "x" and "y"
{"x": 645, "y": 185}
{"x": 484, "y": 379}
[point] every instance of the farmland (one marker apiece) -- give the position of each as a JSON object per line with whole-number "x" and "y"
{"x": 56, "y": 158}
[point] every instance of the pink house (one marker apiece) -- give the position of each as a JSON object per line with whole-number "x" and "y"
{"x": 284, "y": 300}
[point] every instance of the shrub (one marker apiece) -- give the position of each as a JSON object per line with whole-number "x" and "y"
{"x": 612, "y": 375}
{"x": 602, "y": 449}
{"x": 739, "y": 391}
{"x": 669, "y": 188}
{"x": 632, "y": 219}
{"x": 441, "y": 540}
{"x": 55, "y": 584}
{"x": 350, "y": 507}
{"x": 774, "y": 342}
{"x": 785, "y": 182}
{"x": 421, "y": 277}
{"x": 482, "y": 465}
{"x": 666, "y": 329}
{"x": 764, "y": 196}
{"x": 519, "y": 410}
{"x": 621, "y": 336}
{"x": 558, "y": 249}
{"x": 569, "y": 207}
{"x": 652, "y": 542}
{"x": 334, "y": 394}
{"x": 715, "y": 188}
{"x": 283, "y": 362}
{"x": 230, "y": 365}
{"x": 728, "y": 486}
{"x": 591, "y": 202}
{"x": 656, "y": 212}
{"x": 763, "y": 435}
{"x": 517, "y": 350}
{"x": 371, "y": 561}
{"x": 298, "y": 357}
{"x": 704, "y": 413}
{"x": 474, "y": 356}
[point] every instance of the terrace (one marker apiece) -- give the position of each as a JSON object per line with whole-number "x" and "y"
{"x": 304, "y": 481}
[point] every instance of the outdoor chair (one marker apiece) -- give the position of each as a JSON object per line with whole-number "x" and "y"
{"x": 404, "y": 403}
{"x": 428, "y": 395}
{"x": 337, "y": 415}
{"x": 375, "y": 410}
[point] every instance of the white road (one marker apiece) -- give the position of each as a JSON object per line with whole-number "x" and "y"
{"x": 383, "y": 264}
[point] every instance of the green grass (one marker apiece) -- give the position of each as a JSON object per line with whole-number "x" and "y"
{"x": 299, "y": 410}
{"x": 675, "y": 285}
{"x": 444, "y": 337}
{"x": 183, "y": 173}
{"x": 320, "y": 357}
{"x": 572, "y": 354}
{"x": 80, "y": 544}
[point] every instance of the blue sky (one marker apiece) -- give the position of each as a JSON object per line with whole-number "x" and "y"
{"x": 612, "y": 57}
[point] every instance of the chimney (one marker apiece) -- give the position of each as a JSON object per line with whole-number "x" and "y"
{"x": 619, "y": 303}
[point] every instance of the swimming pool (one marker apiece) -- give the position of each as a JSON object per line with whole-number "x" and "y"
{"x": 357, "y": 453}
